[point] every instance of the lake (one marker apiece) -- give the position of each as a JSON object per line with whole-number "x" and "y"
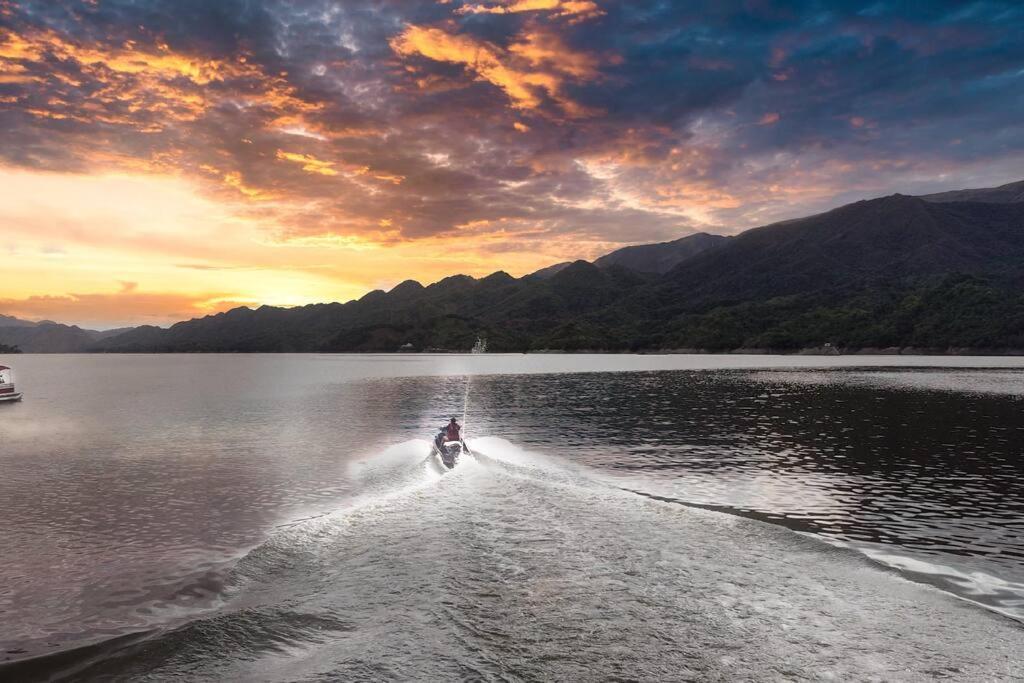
{"x": 261, "y": 517}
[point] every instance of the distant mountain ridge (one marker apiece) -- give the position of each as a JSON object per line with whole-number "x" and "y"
{"x": 1010, "y": 193}
{"x": 940, "y": 272}
{"x": 664, "y": 256}
{"x": 47, "y": 336}
{"x": 890, "y": 238}
{"x": 11, "y": 321}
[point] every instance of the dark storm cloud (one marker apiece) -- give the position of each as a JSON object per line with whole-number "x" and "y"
{"x": 621, "y": 121}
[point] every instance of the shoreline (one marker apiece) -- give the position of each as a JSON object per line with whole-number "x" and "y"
{"x": 809, "y": 351}
{"x": 812, "y": 351}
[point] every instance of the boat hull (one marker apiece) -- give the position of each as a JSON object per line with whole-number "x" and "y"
{"x": 9, "y": 398}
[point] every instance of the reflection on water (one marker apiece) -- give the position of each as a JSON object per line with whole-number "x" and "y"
{"x": 133, "y": 485}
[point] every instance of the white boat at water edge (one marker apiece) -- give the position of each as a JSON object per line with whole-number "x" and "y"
{"x": 7, "y": 391}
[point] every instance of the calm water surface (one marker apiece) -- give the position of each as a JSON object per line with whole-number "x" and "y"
{"x": 278, "y": 517}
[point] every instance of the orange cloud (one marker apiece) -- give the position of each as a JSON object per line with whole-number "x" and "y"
{"x": 310, "y": 164}
{"x": 484, "y": 59}
{"x": 536, "y": 65}
{"x": 392, "y": 178}
{"x": 769, "y": 119}
{"x": 142, "y": 84}
{"x": 543, "y": 49}
{"x": 575, "y": 9}
{"x": 234, "y": 179}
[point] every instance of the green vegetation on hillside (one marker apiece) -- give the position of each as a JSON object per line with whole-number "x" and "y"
{"x": 955, "y": 312}
{"x": 948, "y": 314}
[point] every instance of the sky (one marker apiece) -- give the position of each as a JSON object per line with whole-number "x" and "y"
{"x": 167, "y": 159}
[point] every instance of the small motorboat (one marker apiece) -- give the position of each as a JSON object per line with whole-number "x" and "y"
{"x": 7, "y": 392}
{"x": 449, "y": 451}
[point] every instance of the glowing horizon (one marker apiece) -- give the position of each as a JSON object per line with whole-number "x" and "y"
{"x": 166, "y": 160}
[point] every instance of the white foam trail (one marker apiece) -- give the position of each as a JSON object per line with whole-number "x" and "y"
{"x": 974, "y": 584}
{"x": 396, "y": 471}
{"x": 540, "y": 468}
{"x": 518, "y": 566}
{"x": 465, "y": 405}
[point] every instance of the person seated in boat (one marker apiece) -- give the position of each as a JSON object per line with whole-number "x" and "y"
{"x": 453, "y": 431}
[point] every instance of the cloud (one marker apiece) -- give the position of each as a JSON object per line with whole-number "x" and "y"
{"x": 143, "y": 87}
{"x": 499, "y": 126}
{"x": 309, "y": 163}
{"x": 577, "y": 10}
{"x": 534, "y": 67}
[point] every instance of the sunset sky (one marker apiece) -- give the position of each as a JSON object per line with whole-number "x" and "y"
{"x": 166, "y": 159}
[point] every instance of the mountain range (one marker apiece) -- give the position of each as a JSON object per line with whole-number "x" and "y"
{"x": 938, "y": 273}
{"x": 46, "y": 336}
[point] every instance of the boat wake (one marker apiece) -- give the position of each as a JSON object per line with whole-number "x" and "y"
{"x": 515, "y": 565}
